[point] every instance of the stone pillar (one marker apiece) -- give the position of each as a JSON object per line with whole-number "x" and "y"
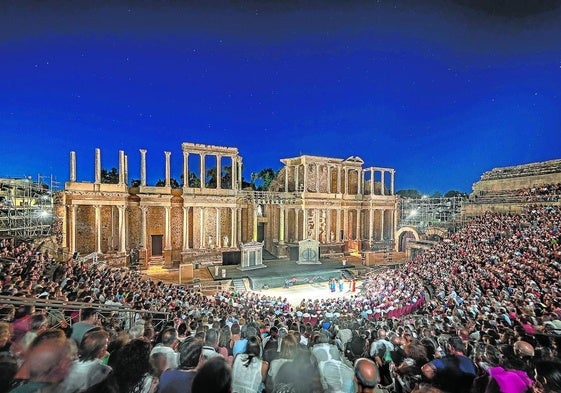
{"x": 370, "y": 224}
{"x": 185, "y": 170}
{"x": 64, "y": 224}
{"x": 358, "y": 234}
{"x": 144, "y": 211}
{"x": 167, "y": 224}
{"x": 328, "y": 229}
{"x": 346, "y": 181}
{"x": 392, "y": 182}
{"x": 202, "y": 240}
{"x": 218, "y": 231}
{"x": 329, "y": 179}
{"x": 218, "y": 172}
{"x": 73, "y": 214}
{"x": 97, "y": 166}
{"x": 338, "y": 182}
{"x": 186, "y": 227}
{"x": 286, "y": 168}
{"x": 281, "y": 225}
{"x": 338, "y": 226}
{"x": 203, "y": 170}
{"x": 316, "y": 224}
{"x": 126, "y": 169}
{"x": 143, "y": 167}
{"x": 382, "y": 224}
{"x": 254, "y": 236}
{"x": 121, "y": 167}
{"x": 296, "y": 224}
{"x": 97, "y": 224}
{"x": 234, "y": 172}
{"x": 168, "y": 169}
{"x": 359, "y": 180}
{"x": 238, "y": 225}
{"x": 233, "y": 221}
{"x": 371, "y": 181}
{"x": 346, "y": 223}
{"x": 305, "y": 234}
{"x": 72, "y": 166}
{"x": 305, "y": 177}
{"x": 317, "y": 178}
{"x": 297, "y": 178}
{"x": 382, "y": 181}
{"x": 122, "y": 229}
{"x": 240, "y": 172}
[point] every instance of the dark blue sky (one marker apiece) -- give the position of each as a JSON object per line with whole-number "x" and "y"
{"x": 437, "y": 90}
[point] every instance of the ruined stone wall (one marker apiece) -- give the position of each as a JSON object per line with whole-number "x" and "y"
{"x": 85, "y": 236}
{"x": 134, "y": 219}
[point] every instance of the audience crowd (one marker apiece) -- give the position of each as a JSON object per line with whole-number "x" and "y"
{"x": 479, "y": 312}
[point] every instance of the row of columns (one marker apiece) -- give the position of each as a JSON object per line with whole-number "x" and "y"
{"x": 325, "y": 215}
{"x": 360, "y": 176}
{"x": 123, "y": 167}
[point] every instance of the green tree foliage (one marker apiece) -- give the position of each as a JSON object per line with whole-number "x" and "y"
{"x": 454, "y": 193}
{"x": 262, "y": 180}
{"x": 436, "y": 194}
{"x": 172, "y": 182}
{"x": 413, "y": 194}
{"x": 110, "y": 177}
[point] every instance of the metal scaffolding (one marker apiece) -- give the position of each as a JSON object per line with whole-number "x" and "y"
{"x": 27, "y": 207}
{"x": 423, "y": 213}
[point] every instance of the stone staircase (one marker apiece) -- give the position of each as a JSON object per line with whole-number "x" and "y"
{"x": 239, "y": 285}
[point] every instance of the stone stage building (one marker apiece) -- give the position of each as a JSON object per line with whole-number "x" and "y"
{"x": 338, "y": 202}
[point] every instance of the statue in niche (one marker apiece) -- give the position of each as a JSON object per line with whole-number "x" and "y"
{"x": 331, "y": 236}
{"x": 225, "y": 241}
{"x": 210, "y": 241}
{"x": 259, "y": 211}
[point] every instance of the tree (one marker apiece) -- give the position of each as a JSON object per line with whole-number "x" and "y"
{"x": 413, "y": 194}
{"x": 262, "y": 179}
{"x": 454, "y": 193}
{"x": 194, "y": 180}
{"x": 172, "y": 182}
{"x": 110, "y": 177}
{"x": 436, "y": 194}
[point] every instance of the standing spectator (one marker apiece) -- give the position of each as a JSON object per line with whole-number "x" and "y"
{"x": 168, "y": 346}
{"x": 132, "y": 368}
{"x": 181, "y": 379}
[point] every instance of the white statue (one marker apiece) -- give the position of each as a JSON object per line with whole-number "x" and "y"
{"x": 332, "y": 236}
{"x": 225, "y": 241}
{"x": 259, "y": 211}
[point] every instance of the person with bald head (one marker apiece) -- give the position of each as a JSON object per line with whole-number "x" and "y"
{"x": 367, "y": 376}
{"x": 48, "y": 365}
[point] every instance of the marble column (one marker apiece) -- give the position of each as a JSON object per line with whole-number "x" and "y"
{"x": 143, "y": 167}
{"x": 72, "y": 166}
{"x": 254, "y": 236}
{"x": 296, "y": 224}
{"x": 122, "y": 229}
{"x": 317, "y": 178}
{"x": 218, "y": 230}
{"x": 346, "y": 181}
{"x": 202, "y": 172}
{"x": 382, "y": 224}
{"x": 338, "y": 226}
{"x": 328, "y": 229}
{"x": 316, "y": 216}
{"x": 239, "y": 235}
{"x": 358, "y": 235}
{"x": 286, "y": 168}
{"x": 346, "y": 224}
{"x": 97, "y": 224}
{"x": 202, "y": 240}
{"x": 97, "y": 166}
{"x": 281, "y": 225}
{"x": 73, "y": 214}
{"x": 297, "y": 178}
{"x": 338, "y": 181}
{"x": 392, "y": 182}
{"x": 382, "y": 181}
{"x": 168, "y": 169}
{"x": 186, "y": 170}
{"x": 186, "y": 227}
{"x": 371, "y": 181}
{"x": 218, "y": 172}
{"x": 167, "y": 224}
{"x": 233, "y": 221}
{"x": 305, "y": 233}
{"x": 305, "y": 177}
{"x": 370, "y": 224}
{"x": 121, "y": 167}
{"x": 126, "y": 169}
{"x": 144, "y": 211}
{"x": 329, "y": 180}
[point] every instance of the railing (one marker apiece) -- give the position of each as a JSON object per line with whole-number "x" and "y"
{"x": 65, "y": 312}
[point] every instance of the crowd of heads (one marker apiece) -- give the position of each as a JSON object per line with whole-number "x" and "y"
{"x": 479, "y": 312}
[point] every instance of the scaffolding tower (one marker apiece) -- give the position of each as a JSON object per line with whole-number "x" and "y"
{"x": 27, "y": 207}
{"x": 423, "y": 213}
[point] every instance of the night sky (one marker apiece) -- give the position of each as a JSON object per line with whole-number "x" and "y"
{"x": 442, "y": 91}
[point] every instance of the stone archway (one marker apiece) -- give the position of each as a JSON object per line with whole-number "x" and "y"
{"x": 435, "y": 233}
{"x": 403, "y": 235}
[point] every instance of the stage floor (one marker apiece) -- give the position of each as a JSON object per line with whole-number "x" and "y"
{"x": 279, "y": 272}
